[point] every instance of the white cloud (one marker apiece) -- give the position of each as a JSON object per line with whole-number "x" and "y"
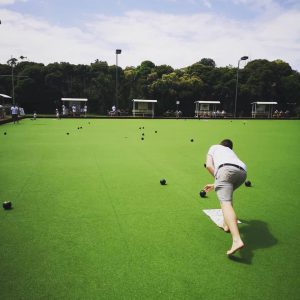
{"x": 9, "y": 2}
{"x": 255, "y": 3}
{"x": 177, "y": 40}
{"x": 41, "y": 41}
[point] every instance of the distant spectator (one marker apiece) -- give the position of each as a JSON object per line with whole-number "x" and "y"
{"x": 74, "y": 110}
{"x": 276, "y": 114}
{"x": 14, "y": 113}
{"x": 281, "y": 114}
{"x": 34, "y": 115}
{"x": 57, "y": 113}
{"x": 85, "y": 110}
{"x": 64, "y": 111}
{"x": 287, "y": 113}
{"x": 21, "y": 111}
{"x": 113, "y": 111}
{"x": 178, "y": 113}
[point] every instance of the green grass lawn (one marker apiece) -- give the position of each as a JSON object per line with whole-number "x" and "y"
{"x": 91, "y": 220}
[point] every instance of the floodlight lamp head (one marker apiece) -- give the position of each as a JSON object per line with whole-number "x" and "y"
{"x": 118, "y": 51}
{"x": 244, "y": 57}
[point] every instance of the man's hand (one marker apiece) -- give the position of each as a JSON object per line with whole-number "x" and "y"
{"x": 209, "y": 187}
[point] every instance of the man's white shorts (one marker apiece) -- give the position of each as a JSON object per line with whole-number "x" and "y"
{"x": 228, "y": 179}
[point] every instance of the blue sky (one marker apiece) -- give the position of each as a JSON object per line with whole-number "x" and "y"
{"x": 173, "y": 32}
{"x": 58, "y": 12}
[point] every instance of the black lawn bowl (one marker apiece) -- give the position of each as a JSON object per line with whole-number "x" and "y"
{"x": 163, "y": 182}
{"x": 204, "y": 165}
{"x": 5, "y": 133}
{"x": 68, "y": 133}
{"x": 78, "y": 128}
{"x": 155, "y": 131}
{"x": 248, "y": 183}
{"x": 143, "y": 133}
{"x": 202, "y": 194}
{"x": 192, "y": 140}
{"x": 142, "y": 138}
{"x": 7, "y": 205}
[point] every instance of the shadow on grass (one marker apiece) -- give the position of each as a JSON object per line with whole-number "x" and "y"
{"x": 256, "y": 235}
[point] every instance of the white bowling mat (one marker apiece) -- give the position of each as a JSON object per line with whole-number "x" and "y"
{"x": 216, "y": 216}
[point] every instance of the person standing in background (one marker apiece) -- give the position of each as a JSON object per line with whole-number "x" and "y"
{"x": 14, "y": 113}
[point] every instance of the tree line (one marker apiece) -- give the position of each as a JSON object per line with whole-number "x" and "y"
{"x": 39, "y": 87}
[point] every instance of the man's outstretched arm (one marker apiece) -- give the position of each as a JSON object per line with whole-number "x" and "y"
{"x": 210, "y": 165}
{"x": 211, "y": 169}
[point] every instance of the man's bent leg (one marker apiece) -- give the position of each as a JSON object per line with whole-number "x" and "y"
{"x": 231, "y": 220}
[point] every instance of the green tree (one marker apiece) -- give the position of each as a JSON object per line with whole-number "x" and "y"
{"x": 30, "y": 89}
{"x": 39, "y": 87}
{"x": 208, "y": 62}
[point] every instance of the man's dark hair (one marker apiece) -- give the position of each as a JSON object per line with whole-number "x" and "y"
{"x": 227, "y": 143}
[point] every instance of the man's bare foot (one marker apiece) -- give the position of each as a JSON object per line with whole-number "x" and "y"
{"x": 235, "y": 247}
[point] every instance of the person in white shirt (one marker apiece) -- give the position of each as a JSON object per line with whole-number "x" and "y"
{"x": 21, "y": 111}
{"x": 14, "y": 113}
{"x": 229, "y": 173}
{"x": 113, "y": 111}
{"x": 74, "y": 110}
{"x": 63, "y": 110}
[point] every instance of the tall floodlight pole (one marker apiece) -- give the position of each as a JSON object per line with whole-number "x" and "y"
{"x": 12, "y": 62}
{"x": 118, "y": 51}
{"x": 237, "y": 82}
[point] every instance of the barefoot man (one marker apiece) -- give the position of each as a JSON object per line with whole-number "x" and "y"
{"x": 229, "y": 173}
